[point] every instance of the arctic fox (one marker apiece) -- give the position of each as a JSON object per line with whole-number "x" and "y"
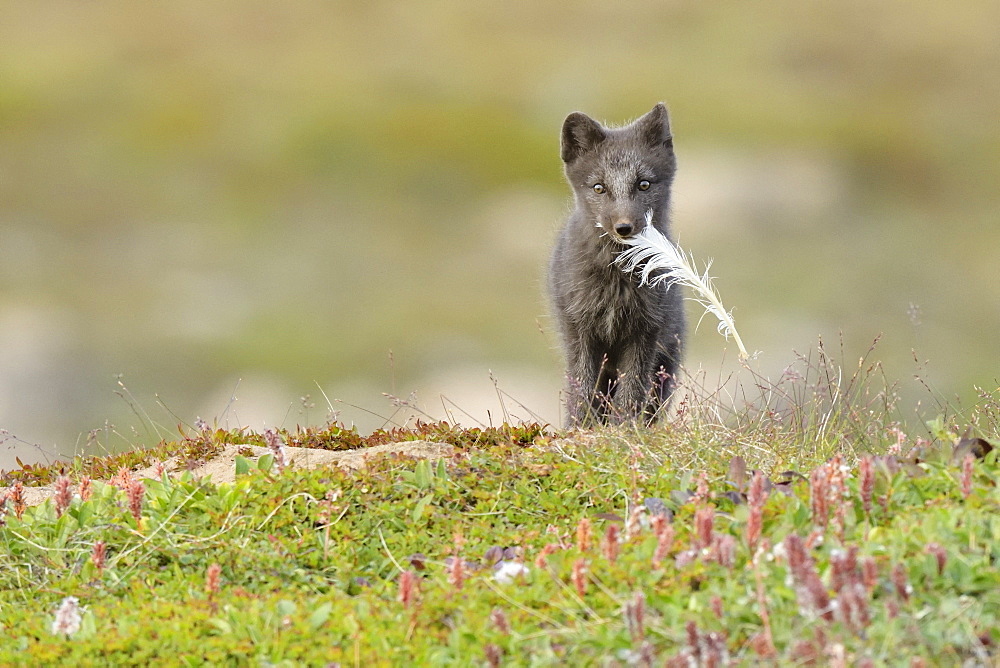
{"x": 622, "y": 342}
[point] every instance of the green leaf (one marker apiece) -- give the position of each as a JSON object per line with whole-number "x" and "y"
{"x": 265, "y": 462}
{"x": 285, "y": 608}
{"x": 422, "y": 474}
{"x": 88, "y": 626}
{"x": 221, "y": 625}
{"x": 84, "y": 512}
{"x": 320, "y": 615}
{"x": 418, "y": 510}
{"x": 242, "y": 465}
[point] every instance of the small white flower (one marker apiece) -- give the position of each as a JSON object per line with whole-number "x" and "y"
{"x": 68, "y": 619}
{"x": 508, "y": 571}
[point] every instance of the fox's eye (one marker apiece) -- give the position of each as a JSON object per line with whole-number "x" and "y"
{"x": 599, "y": 188}
{"x": 643, "y": 185}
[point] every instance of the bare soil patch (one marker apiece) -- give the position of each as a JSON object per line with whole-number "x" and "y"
{"x": 222, "y": 467}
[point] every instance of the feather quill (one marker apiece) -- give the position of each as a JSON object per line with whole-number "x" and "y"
{"x": 659, "y": 260}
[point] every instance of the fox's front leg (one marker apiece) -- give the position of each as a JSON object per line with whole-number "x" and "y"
{"x": 585, "y": 400}
{"x": 634, "y": 384}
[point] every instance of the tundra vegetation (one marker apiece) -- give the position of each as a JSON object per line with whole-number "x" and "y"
{"x": 797, "y": 521}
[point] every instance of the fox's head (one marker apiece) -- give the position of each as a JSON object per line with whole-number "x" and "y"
{"x": 618, "y": 174}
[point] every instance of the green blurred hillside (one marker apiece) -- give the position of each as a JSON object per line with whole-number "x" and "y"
{"x": 191, "y": 194}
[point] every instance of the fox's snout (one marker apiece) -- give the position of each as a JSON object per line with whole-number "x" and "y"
{"x": 624, "y": 227}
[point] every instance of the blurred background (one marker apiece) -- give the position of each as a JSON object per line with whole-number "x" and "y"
{"x": 240, "y": 212}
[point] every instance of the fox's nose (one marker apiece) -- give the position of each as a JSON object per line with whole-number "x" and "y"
{"x": 623, "y": 228}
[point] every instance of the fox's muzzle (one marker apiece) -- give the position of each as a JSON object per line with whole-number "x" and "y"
{"x": 624, "y": 228}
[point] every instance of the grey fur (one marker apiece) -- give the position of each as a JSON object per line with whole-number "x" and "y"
{"x": 622, "y": 342}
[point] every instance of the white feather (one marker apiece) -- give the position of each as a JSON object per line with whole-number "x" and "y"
{"x": 656, "y": 253}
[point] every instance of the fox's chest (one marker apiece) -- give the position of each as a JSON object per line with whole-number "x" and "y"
{"x": 612, "y": 306}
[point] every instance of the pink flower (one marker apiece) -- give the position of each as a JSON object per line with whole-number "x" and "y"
{"x": 664, "y": 531}
{"x": 940, "y": 554}
{"x": 579, "y": 577}
{"x": 634, "y": 525}
{"x": 716, "y": 606}
{"x": 212, "y": 579}
{"x": 98, "y": 555}
{"x": 967, "y": 466}
{"x": 754, "y": 524}
{"x": 635, "y": 614}
{"x": 542, "y": 560}
{"x": 64, "y": 495}
{"x": 852, "y": 606}
{"x": 702, "y": 492}
{"x": 809, "y": 588}
{"x": 704, "y": 521}
{"x": 611, "y": 542}
{"x": 136, "y": 490}
{"x": 456, "y": 571}
{"x": 819, "y": 490}
{"x": 843, "y": 567}
{"x": 277, "y": 447}
{"x": 583, "y": 535}
{"x": 16, "y": 496}
{"x": 899, "y": 580}
{"x": 86, "y": 490}
{"x": 867, "y": 483}
{"x": 724, "y": 550}
{"x": 407, "y": 588}
{"x": 494, "y": 655}
{"x": 755, "y": 501}
{"x": 869, "y": 573}
{"x": 123, "y": 478}
{"x": 500, "y": 622}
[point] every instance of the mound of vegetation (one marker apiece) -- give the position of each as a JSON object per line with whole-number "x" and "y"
{"x": 807, "y": 528}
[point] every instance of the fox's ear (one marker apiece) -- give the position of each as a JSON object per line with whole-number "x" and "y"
{"x": 655, "y": 127}
{"x": 580, "y": 133}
